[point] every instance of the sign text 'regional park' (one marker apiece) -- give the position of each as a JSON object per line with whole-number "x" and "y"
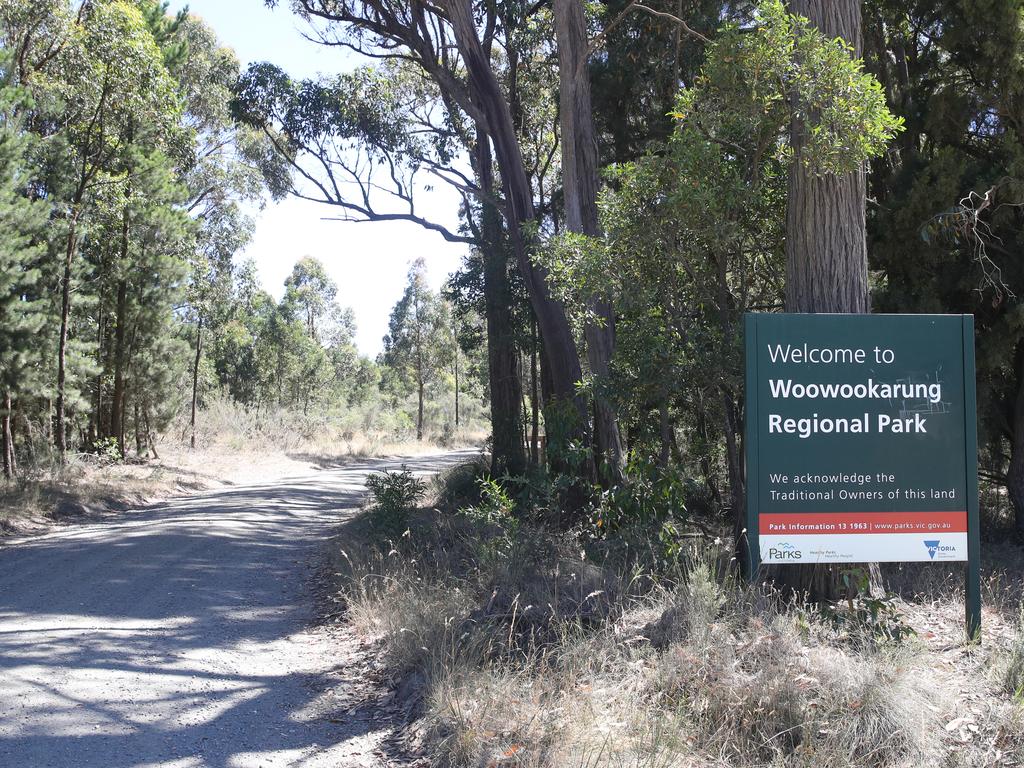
{"x": 860, "y": 437}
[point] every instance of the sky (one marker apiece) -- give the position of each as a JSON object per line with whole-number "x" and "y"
{"x": 369, "y": 261}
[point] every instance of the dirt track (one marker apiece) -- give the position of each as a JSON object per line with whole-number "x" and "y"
{"x": 181, "y": 635}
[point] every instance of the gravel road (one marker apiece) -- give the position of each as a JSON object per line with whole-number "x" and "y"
{"x": 182, "y": 635}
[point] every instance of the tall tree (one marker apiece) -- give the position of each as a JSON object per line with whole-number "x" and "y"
{"x": 311, "y": 292}
{"x": 22, "y": 312}
{"x": 826, "y": 245}
{"x": 447, "y": 46}
{"x": 579, "y": 191}
{"x": 945, "y": 223}
{"x": 112, "y": 77}
{"x": 504, "y": 382}
{"x": 826, "y": 240}
{"x": 219, "y": 173}
{"x": 414, "y": 345}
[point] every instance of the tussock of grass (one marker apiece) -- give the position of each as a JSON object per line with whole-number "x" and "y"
{"x": 1008, "y": 663}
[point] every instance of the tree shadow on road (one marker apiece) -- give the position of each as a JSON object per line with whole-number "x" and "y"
{"x": 179, "y": 632}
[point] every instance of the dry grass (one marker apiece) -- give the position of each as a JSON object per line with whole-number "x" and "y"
{"x": 1008, "y": 662}
{"x": 235, "y": 446}
{"x": 527, "y": 654}
{"x": 321, "y": 438}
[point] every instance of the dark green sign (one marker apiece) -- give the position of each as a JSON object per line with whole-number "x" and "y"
{"x": 861, "y": 438}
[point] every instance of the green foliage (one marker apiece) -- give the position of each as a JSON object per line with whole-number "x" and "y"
{"x": 694, "y": 231}
{"x": 395, "y": 494}
{"x": 122, "y": 174}
{"x": 420, "y": 344}
{"x": 561, "y": 419}
{"x": 494, "y": 517}
{"x": 785, "y": 71}
{"x": 945, "y": 235}
{"x": 652, "y": 495}
{"x": 460, "y": 485}
{"x": 107, "y": 450}
{"x": 865, "y": 617}
{"x": 22, "y": 308}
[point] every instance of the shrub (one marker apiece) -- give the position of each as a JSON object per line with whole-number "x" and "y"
{"x": 494, "y": 515}
{"x": 395, "y": 494}
{"x": 866, "y": 618}
{"x": 107, "y": 450}
{"x": 650, "y": 496}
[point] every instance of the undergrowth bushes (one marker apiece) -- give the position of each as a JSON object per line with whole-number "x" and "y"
{"x": 538, "y": 648}
{"x": 395, "y": 494}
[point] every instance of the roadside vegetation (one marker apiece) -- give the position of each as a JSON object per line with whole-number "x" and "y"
{"x": 513, "y": 644}
{"x": 235, "y": 446}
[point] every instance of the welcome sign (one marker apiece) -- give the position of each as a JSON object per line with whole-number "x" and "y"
{"x": 861, "y": 438}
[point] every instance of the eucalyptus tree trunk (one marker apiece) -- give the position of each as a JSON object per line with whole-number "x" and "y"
{"x": 117, "y": 420}
{"x": 60, "y": 428}
{"x": 137, "y": 425}
{"x": 419, "y": 409}
{"x": 117, "y": 401}
{"x": 420, "y": 372}
{"x": 150, "y": 436}
{"x": 1015, "y": 473}
{"x": 579, "y": 188}
{"x": 556, "y": 334}
{"x": 826, "y": 247}
{"x": 195, "y": 381}
{"x": 534, "y": 398}
{"x": 507, "y": 451}
{"x": 7, "y": 437}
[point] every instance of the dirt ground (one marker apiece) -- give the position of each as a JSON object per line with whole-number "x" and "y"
{"x": 192, "y": 633}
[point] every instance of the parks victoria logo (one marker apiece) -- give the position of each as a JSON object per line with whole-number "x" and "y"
{"x": 937, "y": 548}
{"x": 785, "y": 551}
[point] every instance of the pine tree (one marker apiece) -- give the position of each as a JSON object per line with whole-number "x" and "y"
{"x": 22, "y": 312}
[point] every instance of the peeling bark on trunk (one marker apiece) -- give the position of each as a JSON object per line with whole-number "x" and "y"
{"x": 579, "y": 188}
{"x": 551, "y": 318}
{"x": 150, "y": 437}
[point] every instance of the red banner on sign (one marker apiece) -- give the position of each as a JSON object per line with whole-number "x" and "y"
{"x": 864, "y": 522}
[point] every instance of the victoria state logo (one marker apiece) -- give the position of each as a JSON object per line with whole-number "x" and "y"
{"x": 784, "y": 551}
{"x": 935, "y": 547}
